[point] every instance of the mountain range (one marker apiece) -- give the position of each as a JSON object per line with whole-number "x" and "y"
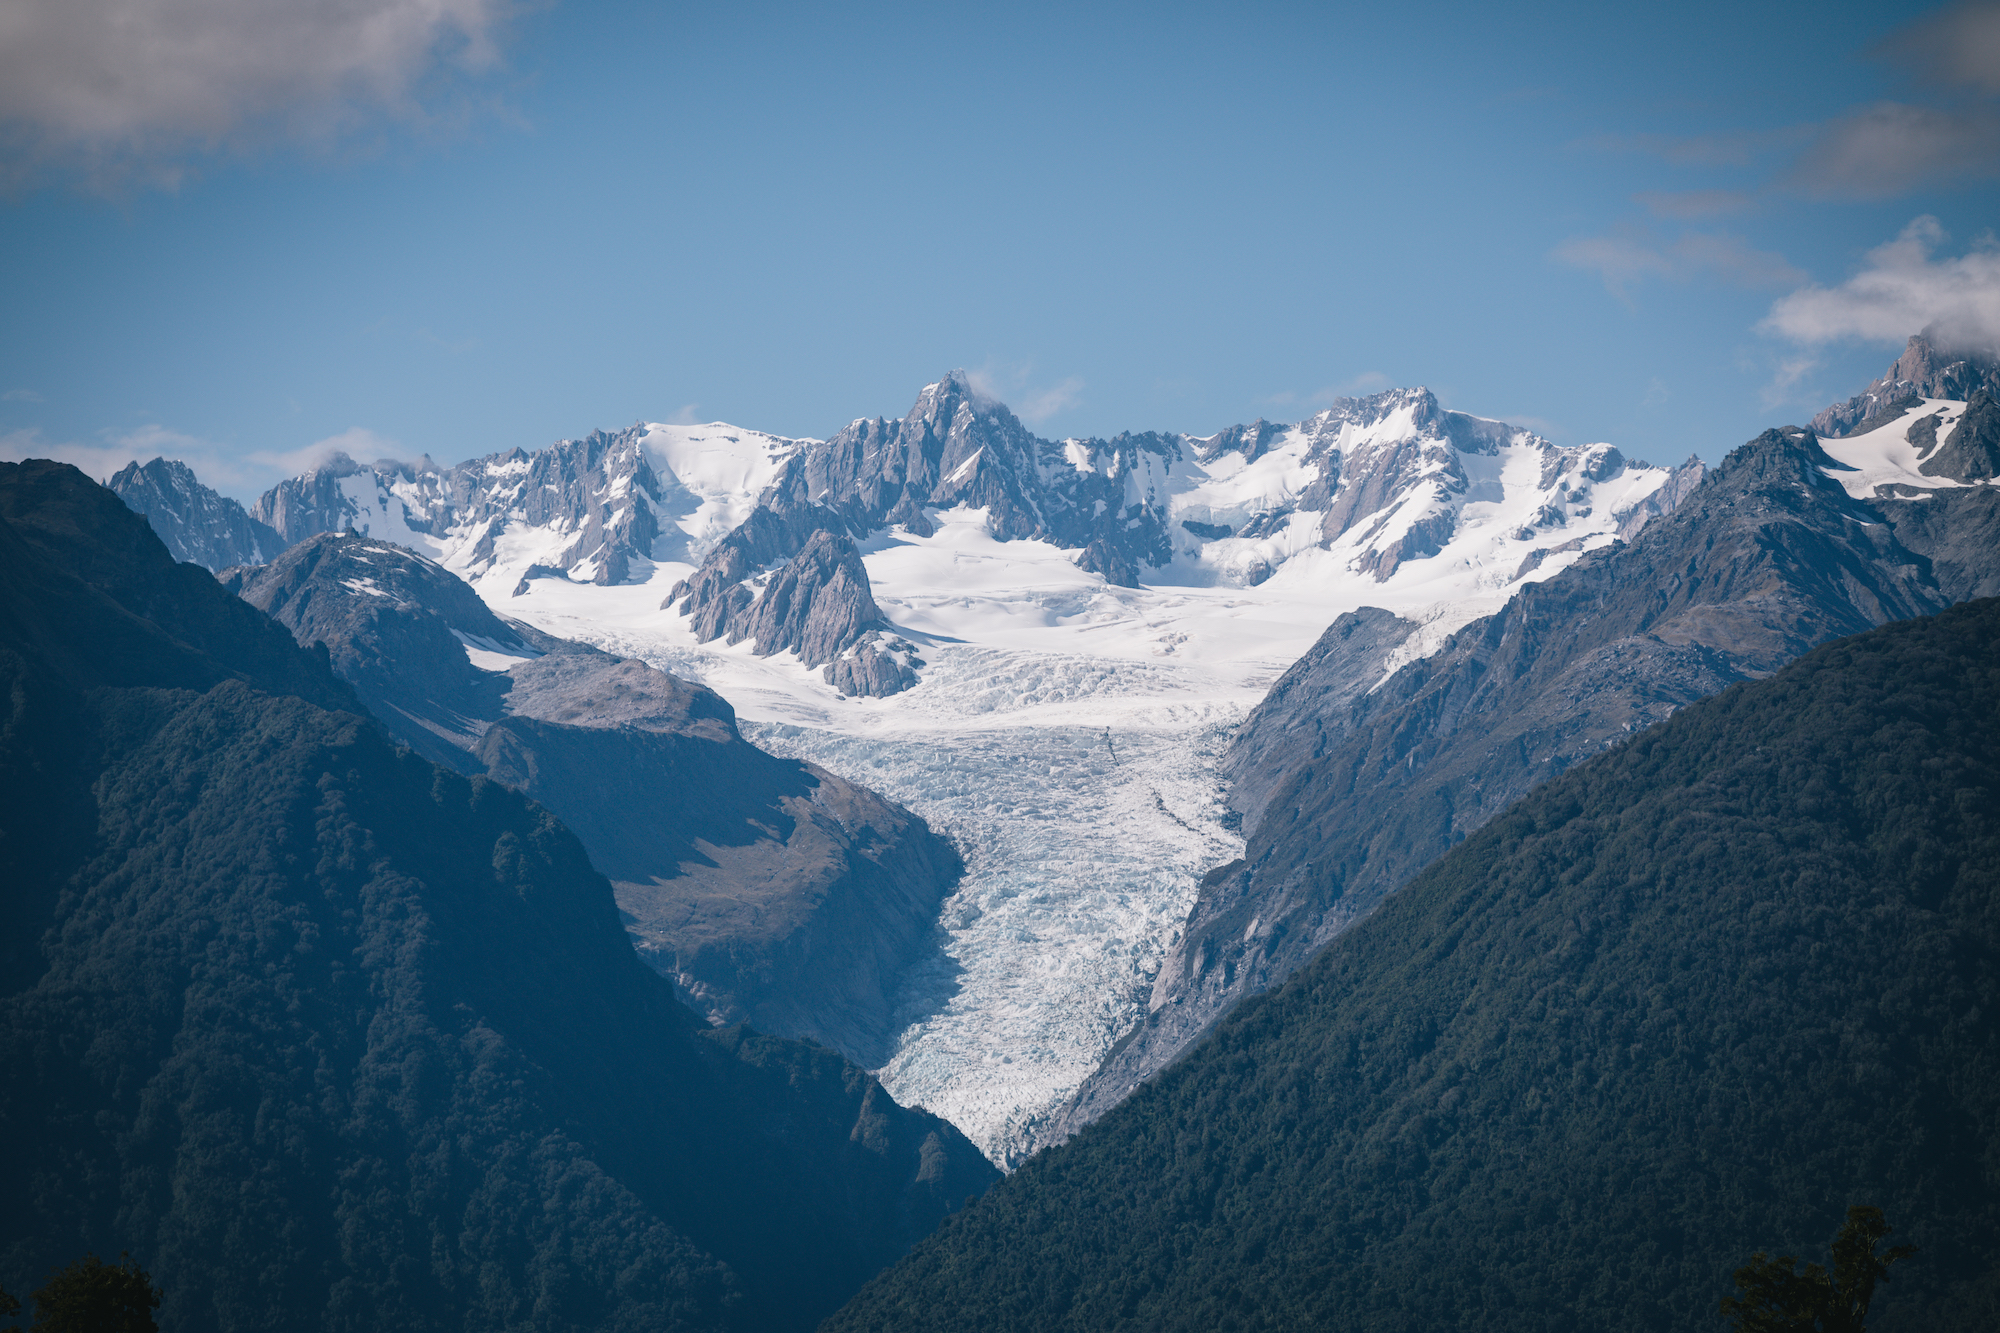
{"x": 1548, "y": 671}
{"x": 1501, "y": 609}
{"x": 1346, "y": 792}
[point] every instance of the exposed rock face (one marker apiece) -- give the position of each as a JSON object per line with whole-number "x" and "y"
{"x": 957, "y": 447}
{"x": 877, "y": 665}
{"x": 819, "y": 604}
{"x": 767, "y": 889}
{"x": 1922, "y": 371}
{"x": 1292, "y": 722}
{"x": 1972, "y": 451}
{"x": 199, "y": 525}
{"x": 1346, "y": 795}
{"x": 1680, "y": 484}
{"x": 594, "y": 500}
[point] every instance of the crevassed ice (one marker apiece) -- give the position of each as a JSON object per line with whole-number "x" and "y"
{"x": 1082, "y": 852}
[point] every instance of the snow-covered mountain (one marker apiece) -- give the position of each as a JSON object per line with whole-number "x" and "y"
{"x": 1040, "y": 646}
{"x": 1357, "y": 492}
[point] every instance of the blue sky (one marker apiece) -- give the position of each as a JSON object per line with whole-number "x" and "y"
{"x": 453, "y": 227}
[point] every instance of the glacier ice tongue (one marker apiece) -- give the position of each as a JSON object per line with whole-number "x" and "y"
{"x": 1083, "y": 846}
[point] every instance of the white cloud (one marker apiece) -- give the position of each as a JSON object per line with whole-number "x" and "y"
{"x": 1623, "y": 261}
{"x": 357, "y": 442}
{"x": 1785, "y": 381}
{"x": 20, "y": 396}
{"x": 1901, "y": 288}
{"x": 110, "y": 90}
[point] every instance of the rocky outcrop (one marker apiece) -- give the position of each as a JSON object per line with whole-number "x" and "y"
{"x": 1680, "y": 483}
{"x": 768, "y": 890}
{"x": 1347, "y": 794}
{"x": 1924, "y": 370}
{"x": 199, "y": 525}
{"x": 957, "y": 447}
{"x": 1972, "y": 451}
{"x": 1304, "y": 711}
{"x": 818, "y": 604}
{"x": 878, "y": 665}
{"x": 1108, "y": 563}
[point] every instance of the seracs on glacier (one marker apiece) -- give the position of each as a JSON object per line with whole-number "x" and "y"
{"x": 1064, "y": 730}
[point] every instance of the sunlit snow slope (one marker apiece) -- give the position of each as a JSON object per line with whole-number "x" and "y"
{"x": 1064, "y": 731}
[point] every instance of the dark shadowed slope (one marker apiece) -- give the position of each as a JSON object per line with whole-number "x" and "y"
{"x": 1693, "y": 997}
{"x": 1346, "y": 795}
{"x": 328, "y": 1036}
{"x": 767, "y": 889}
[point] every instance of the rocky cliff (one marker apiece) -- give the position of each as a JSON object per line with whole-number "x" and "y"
{"x": 768, "y": 890}
{"x": 199, "y": 525}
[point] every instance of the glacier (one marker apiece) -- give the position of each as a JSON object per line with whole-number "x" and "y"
{"x": 1064, "y": 730}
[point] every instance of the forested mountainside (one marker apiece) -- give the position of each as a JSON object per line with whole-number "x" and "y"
{"x": 328, "y": 1036}
{"x": 767, "y": 889}
{"x": 1691, "y": 998}
{"x": 1349, "y": 783}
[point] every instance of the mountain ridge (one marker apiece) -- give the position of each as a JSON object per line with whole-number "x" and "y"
{"x": 1356, "y": 792}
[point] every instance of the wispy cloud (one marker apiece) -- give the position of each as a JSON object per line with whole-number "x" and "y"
{"x": 1901, "y": 287}
{"x": 116, "y": 92}
{"x": 357, "y": 442}
{"x": 1957, "y": 46}
{"x": 20, "y": 396}
{"x": 230, "y": 471}
{"x": 1692, "y": 203}
{"x": 1622, "y": 261}
{"x": 1889, "y": 149}
{"x": 1357, "y": 386}
{"x": 689, "y": 414}
{"x": 1730, "y": 148}
{"x": 1014, "y": 386}
{"x": 1785, "y": 380}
